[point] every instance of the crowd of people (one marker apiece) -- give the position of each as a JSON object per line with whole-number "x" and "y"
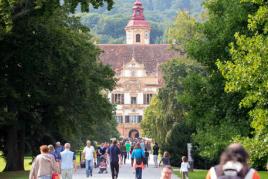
{"x": 60, "y": 161}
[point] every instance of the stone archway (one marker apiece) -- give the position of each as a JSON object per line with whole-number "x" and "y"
{"x": 133, "y": 133}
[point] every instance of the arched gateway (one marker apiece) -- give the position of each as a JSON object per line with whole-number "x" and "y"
{"x": 133, "y": 133}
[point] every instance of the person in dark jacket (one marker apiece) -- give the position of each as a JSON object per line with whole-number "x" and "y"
{"x": 115, "y": 157}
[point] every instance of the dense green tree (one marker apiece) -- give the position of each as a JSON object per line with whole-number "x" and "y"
{"x": 246, "y": 72}
{"x": 214, "y": 110}
{"x": 183, "y": 29}
{"x": 164, "y": 119}
{"x": 51, "y": 81}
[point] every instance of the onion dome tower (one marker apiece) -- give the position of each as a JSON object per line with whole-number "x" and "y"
{"x": 138, "y": 29}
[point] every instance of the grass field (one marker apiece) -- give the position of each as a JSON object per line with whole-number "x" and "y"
{"x": 20, "y": 174}
{"x": 201, "y": 174}
{"x": 15, "y": 175}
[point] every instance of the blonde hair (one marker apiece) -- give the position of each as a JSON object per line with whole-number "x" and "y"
{"x": 166, "y": 154}
{"x": 51, "y": 148}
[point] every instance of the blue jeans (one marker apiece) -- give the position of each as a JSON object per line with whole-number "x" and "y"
{"x": 138, "y": 173}
{"x": 89, "y": 167}
{"x": 45, "y": 177}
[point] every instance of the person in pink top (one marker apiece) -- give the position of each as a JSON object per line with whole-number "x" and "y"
{"x": 43, "y": 165}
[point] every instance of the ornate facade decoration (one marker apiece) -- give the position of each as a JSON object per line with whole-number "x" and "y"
{"x": 137, "y": 69}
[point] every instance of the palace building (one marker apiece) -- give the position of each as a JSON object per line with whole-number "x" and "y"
{"x": 136, "y": 65}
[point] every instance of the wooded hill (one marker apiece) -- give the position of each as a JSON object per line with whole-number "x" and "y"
{"x": 108, "y": 26}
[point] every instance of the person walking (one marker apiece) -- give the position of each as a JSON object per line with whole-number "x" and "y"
{"x": 165, "y": 160}
{"x": 128, "y": 147}
{"x": 138, "y": 157}
{"x": 185, "y": 166}
{"x": 51, "y": 150}
{"x": 155, "y": 154}
{"x": 115, "y": 156}
{"x": 233, "y": 165}
{"x": 123, "y": 152}
{"x": 58, "y": 149}
{"x": 89, "y": 157}
{"x": 67, "y": 163}
{"x": 146, "y": 161}
{"x": 166, "y": 172}
{"x": 43, "y": 165}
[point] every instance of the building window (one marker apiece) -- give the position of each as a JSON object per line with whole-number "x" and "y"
{"x": 133, "y": 73}
{"x": 127, "y": 119}
{"x": 119, "y": 119}
{"x": 118, "y": 98}
{"x": 138, "y": 38}
{"x": 133, "y": 100}
{"x": 135, "y": 119}
{"x": 138, "y": 13}
{"x": 147, "y": 98}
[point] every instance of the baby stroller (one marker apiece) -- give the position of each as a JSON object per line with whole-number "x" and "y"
{"x": 103, "y": 165}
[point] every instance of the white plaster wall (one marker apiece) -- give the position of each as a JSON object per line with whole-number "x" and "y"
{"x": 127, "y": 98}
{"x": 140, "y": 73}
{"x": 130, "y": 112}
{"x": 129, "y": 37}
{"x": 151, "y": 90}
{"x": 140, "y": 98}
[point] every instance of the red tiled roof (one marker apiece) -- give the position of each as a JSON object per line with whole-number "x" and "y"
{"x": 150, "y": 55}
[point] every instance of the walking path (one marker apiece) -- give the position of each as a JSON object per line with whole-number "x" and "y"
{"x": 125, "y": 172}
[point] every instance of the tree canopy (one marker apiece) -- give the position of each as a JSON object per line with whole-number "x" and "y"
{"x": 246, "y": 72}
{"x": 52, "y": 84}
{"x": 215, "y": 117}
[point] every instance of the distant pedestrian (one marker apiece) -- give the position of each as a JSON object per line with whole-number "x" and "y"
{"x": 165, "y": 160}
{"x": 166, "y": 172}
{"x": 155, "y": 154}
{"x": 146, "y": 161}
{"x": 128, "y": 147}
{"x": 101, "y": 150}
{"x": 58, "y": 149}
{"x": 123, "y": 152}
{"x": 142, "y": 145}
{"x": 185, "y": 166}
{"x": 89, "y": 157}
{"x": 51, "y": 150}
{"x": 233, "y": 165}
{"x": 138, "y": 157}
{"x": 115, "y": 157}
{"x": 43, "y": 165}
{"x": 67, "y": 163}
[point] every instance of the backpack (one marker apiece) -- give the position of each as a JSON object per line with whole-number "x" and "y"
{"x": 139, "y": 161}
{"x": 231, "y": 174}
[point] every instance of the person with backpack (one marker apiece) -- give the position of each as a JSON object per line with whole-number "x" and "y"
{"x": 138, "y": 157}
{"x": 233, "y": 165}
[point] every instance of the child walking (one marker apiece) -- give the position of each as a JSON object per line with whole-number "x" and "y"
{"x": 165, "y": 159}
{"x": 184, "y": 168}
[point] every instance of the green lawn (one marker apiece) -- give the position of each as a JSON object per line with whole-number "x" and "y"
{"x": 201, "y": 174}
{"x": 19, "y": 174}
{"x": 15, "y": 175}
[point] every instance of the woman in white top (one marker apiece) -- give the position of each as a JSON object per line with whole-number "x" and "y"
{"x": 184, "y": 168}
